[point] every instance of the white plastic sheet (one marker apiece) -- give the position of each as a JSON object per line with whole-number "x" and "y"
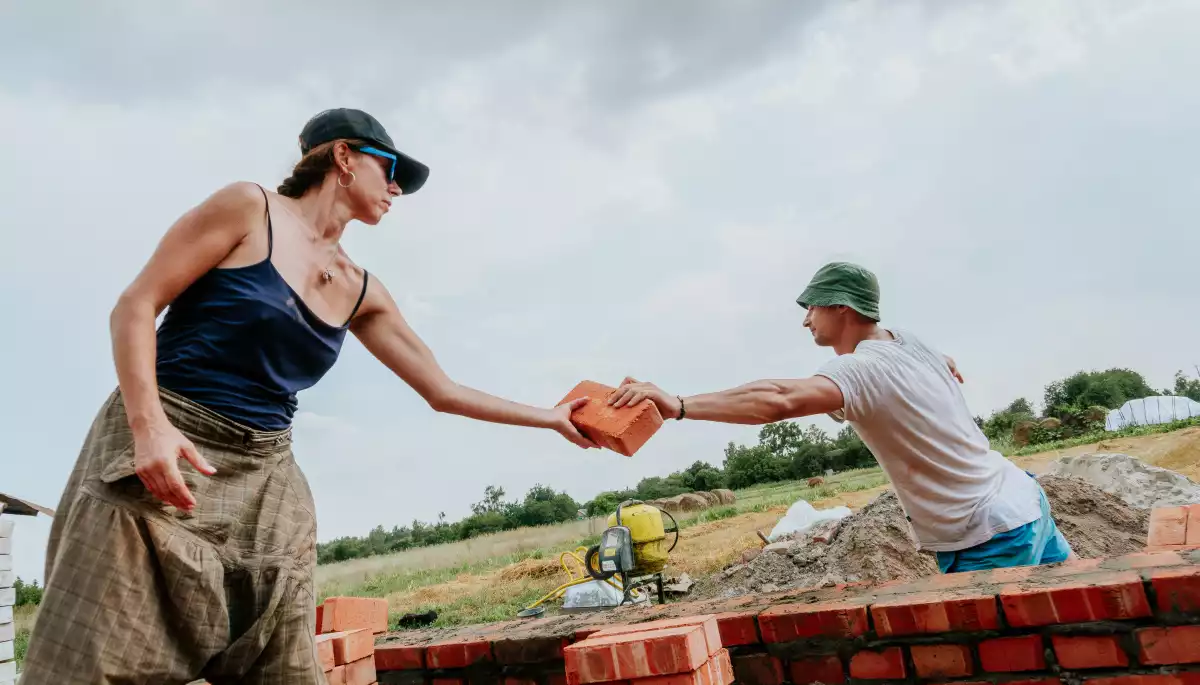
{"x": 592, "y": 594}
{"x": 801, "y": 516}
{"x": 1151, "y": 410}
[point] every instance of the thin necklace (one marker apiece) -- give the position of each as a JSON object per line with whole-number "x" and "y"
{"x": 327, "y": 273}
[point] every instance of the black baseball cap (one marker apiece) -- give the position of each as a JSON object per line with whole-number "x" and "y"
{"x": 335, "y": 124}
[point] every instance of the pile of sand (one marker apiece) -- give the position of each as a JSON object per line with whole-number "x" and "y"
{"x": 875, "y": 544}
{"x": 1133, "y": 480}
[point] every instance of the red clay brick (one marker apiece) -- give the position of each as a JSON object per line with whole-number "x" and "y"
{"x": 352, "y": 645}
{"x": 1089, "y": 651}
{"x": 1193, "y": 525}
{"x": 325, "y": 652}
{"x": 361, "y": 672}
{"x": 707, "y": 623}
{"x": 1176, "y": 645}
{"x": 758, "y": 669}
{"x": 942, "y": 661}
{"x": 636, "y": 655}
{"x": 887, "y": 664}
{"x": 351, "y": 613}
{"x": 528, "y": 650}
{"x": 337, "y": 676}
{"x": 716, "y": 671}
{"x": 320, "y": 610}
{"x": 459, "y": 654}
{"x": 622, "y": 430}
{"x": 1176, "y": 589}
{"x": 817, "y": 669}
{"x": 395, "y": 657}
{"x": 1092, "y": 597}
{"x": 1168, "y": 526}
{"x": 737, "y": 628}
{"x": 1008, "y": 654}
{"x": 934, "y": 613}
{"x": 789, "y": 622}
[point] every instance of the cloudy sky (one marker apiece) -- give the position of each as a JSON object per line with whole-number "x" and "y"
{"x": 617, "y": 188}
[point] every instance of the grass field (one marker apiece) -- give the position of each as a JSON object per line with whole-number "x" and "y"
{"x": 23, "y": 617}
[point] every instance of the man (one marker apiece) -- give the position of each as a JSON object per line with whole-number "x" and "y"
{"x": 965, "y": 502}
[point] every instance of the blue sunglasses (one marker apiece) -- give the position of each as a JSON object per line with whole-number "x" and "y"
{"x": 386, "y": 155}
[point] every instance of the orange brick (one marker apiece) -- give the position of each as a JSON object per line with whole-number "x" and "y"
{"x": 395, "y": 657}
{"x": 1177, "y": 590}
{"x": 622, "y": 430}
{"x": 789, "y": 622}
{"x": 361, "y": 672}
{"x": 1176, "y": 645}
{"x": 458, "y": 654}
{"x": 942, "y": 661}
{"x": 886, "y": 664}
{"x": 707, "y": 623}
{"x": 325, "y": 652}
{"x": 718, "y": 670}
{"x": 320, "y": 608}
{"x": 1008, "y": 654}
{"x": 352, "y": 645}
{"x": 1089, "y": 651}
{"x": 817, "y": 669}
{"x": 337, "y": 676}
{"x": 352, "y": 613}
{"x": 738, "y": 628}
{"x": 1193, "y": 525}
{"x": 934, "y": 613}
{"x": 1168, "y": 526}
{"x": 757, "y": 669}
{"x": 1090, "y": 597}
{"x": 636, "y": 655}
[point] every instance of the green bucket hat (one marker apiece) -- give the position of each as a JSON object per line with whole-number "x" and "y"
{"x": 845, "y": 284}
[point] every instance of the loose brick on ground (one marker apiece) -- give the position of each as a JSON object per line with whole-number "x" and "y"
{"x": 351, "y": 613}
{"x": 636, "y": 655}
{"x": 1089, "y": 651}
{"x": 352, "y": 645}
{"x": 337, "y": 676}
{"x": 817, "y": 669}
{"x": 622, "y": 430}
{"x": 1011, "y": 654}
{"x": 885, "y": 664}
{"x": 942, "y": 661}
{"x": 361, "y": 672}
{"x": 1168, "y": 526}
{"x": 325, "y": 652}
{"x": 718, "y": 670}
{"x": 706, "y": 622}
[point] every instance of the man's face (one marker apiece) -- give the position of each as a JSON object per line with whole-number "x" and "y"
{"x": 826, "y": 324}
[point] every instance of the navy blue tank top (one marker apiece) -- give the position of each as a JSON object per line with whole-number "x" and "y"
{"x": 242, "y": 343}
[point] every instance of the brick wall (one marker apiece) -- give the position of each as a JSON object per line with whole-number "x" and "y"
{"x": 1132, "y": 620}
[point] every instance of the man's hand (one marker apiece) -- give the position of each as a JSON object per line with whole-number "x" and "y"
{"x": 631, "y": 392}
{"x": 561, "y": 422}
{"x": 953, "y": 368}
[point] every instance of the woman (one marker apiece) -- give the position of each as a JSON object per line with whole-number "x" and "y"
{"x": 159, "y": 571}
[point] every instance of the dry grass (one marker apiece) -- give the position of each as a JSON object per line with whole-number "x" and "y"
{"x": 23, "y": 618}
{"x": 519, "y": 542}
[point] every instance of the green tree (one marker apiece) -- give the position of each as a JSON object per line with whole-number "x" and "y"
{"x": 1186, "y": 387}
{"x": 1000, "y": 424}
{"x": 27, "y": 593}
{"x": 1109, "y": 389}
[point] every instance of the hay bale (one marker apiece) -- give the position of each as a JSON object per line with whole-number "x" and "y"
{"x": 815, "y": 481}
{"x": 727, "y": 496}
{"x": 711, "y": 497}
{"x": 1020, "y": 433}
{"x": 692, "y": 503}
{"x": 671, "y": 505}
{"x": 1050, "y": 423}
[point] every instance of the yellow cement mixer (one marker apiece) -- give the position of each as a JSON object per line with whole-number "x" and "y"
{"x": 631, "y": 554}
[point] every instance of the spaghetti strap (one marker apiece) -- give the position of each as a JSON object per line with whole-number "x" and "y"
{"x": 361, "y": 297}
{"x": 270, "y": 232}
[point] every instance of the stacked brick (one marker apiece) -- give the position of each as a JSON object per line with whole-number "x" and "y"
{"x": 8, "y": 597}
{"x": 346, "y": 630}
{"x": 1132, "y": 620}
{"x": 1174, "y": 528}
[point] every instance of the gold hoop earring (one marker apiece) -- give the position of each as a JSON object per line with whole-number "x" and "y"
{"x": 352, "y": 179}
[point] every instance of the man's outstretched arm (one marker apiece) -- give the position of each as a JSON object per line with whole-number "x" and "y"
{"x": 755, "y": 403}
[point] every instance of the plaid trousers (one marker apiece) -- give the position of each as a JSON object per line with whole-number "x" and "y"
{"x": 139, "y": 592}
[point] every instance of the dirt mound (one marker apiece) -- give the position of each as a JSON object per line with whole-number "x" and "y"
{"x": 1133, "y": 480}
{"x": 1095, "y": 522}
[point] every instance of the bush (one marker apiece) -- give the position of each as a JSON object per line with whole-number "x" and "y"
{"x": 27, "y": 593}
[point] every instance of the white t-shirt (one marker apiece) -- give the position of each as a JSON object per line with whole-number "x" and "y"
{"x": 907, "y": 408}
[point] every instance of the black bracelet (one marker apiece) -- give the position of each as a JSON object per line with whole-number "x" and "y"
{"x": 682, "y": 409}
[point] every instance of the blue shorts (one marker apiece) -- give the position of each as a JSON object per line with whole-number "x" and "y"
{"x": 1037, "y": 542}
